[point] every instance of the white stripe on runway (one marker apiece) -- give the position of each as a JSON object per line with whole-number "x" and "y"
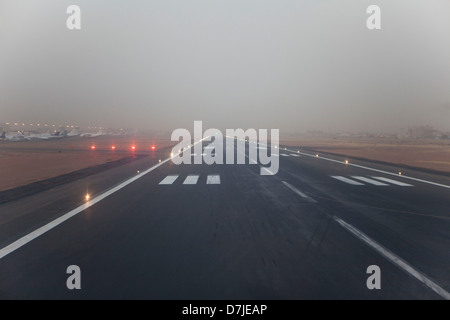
{"x": 40, "y": 231}
{"x": 301, "y": 194}
{"x": 398, "y": 183}
{"x": 284, "y": 154}
{"x": 395, "y": 259}
{"x": 52, "y": 224}
{"x": 192, "y": 179}
{"x": 371, "y": 181}
{"x": 349, "y": 181}
{"x": 213, "y": 179}
{"x": 169, "y": 179}
{"x": 294, "y": 155}
{"x": 373, "y": 169}
{"x": 267, "y": 170}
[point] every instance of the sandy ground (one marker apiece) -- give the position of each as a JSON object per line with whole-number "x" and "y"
{"x": 429, "y": 154}
{"x": 30, "y": 161}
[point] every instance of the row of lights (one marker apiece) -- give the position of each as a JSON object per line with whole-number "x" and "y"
{"x": 133, "y": 147}
{"x": 346, "y": 161}
{"x": 38, "y": 125}
{"x": 51, "y": 125}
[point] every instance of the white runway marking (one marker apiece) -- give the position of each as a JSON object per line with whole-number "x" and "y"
{"x": 295, "y": 190}
{"x": 284, "y": 154}
{"x": 349, "y": 181}
{"x": 294, "y": 155}
{"x": 169, "y": 179}
{"x": 191, "y": 180}
{"x": 371, "y": 181}
{"x": 213, "y": 179}
{"x": 267, "y": 170}
{"x": 398, "y": 183}
{"x": 375, "y": 170}
{"x": 40, "y": 231}
{"x": 395, "y": 259}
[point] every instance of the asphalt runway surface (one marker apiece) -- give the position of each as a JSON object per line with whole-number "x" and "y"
{"x": 156, "y": 230}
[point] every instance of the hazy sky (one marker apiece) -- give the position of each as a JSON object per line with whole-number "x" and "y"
{"x": 294, "y": 65}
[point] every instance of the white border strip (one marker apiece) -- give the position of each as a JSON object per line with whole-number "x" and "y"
{"x": 40, "y": 231}
{"x": 395, "y": 259}
{"x": 372, "y": 169}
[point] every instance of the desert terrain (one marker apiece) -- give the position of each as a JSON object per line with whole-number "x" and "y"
{"x": 427, "y": 154}
{"x": 25, "y": 162}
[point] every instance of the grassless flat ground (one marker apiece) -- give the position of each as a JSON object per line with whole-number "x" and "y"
{"x": 30, "y": 161}
{"x": 25, "y": 162}
{"x": 429, "y": 154}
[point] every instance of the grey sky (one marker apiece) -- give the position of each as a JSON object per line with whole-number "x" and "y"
{"x": 294, "y": 65}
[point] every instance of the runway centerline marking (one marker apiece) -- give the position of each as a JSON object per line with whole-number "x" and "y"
{"x": 394, "y": 259}
{"x": 295, "y": 190}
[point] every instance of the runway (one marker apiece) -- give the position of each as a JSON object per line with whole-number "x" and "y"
{"x": 156, "y": 230}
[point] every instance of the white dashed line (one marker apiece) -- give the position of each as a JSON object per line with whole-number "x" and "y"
{"x": 213, "y": 179}
{"x": 395, "y": 259}
{"x": 371, "y": 181}
{"x": 169, "y": 179}
{"x": 295, "y": 190}
{"x": 191, "y": 179}
{"x": 398, "y": 183}
{"x": 349, "y": 181}
{"x": 375, "y": 170}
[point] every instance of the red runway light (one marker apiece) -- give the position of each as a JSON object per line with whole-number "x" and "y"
{"x": 133, "y": 147}
{"x": 113, "y": 148}
{"x": 93, "y": 147}
{"x": 153, "y": 147}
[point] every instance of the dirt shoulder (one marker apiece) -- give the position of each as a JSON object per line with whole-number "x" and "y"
{"x": 26, "y": 162}
{"x": 426, "y": 154}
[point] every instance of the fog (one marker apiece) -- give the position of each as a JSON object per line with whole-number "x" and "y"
{"x": 293, "y": 65}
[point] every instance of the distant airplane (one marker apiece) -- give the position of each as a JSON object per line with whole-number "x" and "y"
{"x": 44, "y": 136}
{"x": 75, "y": 132}
{"x": 91, "y": 135}
{"x": 15, "y": 136}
